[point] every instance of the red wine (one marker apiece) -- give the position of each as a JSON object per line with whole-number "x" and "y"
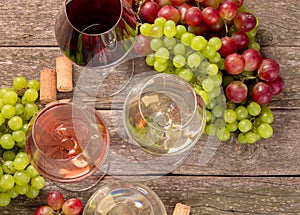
{"x": 67, "y": 143}
{"x": 89, "y": 31}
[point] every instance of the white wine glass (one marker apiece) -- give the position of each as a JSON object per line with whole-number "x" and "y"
{"x": 68, "y": 144}
{"x": 163, "y": 115}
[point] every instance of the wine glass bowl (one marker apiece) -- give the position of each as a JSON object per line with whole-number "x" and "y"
{"x": 163, "y": 115}
{"x": 67, "y": 143}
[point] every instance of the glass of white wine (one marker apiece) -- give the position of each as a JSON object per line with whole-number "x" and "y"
{"x": 163, "y": 115}
{"x": 68, "y": 144}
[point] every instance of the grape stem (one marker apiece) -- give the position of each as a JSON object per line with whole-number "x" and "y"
{"x": 245, "y": 78}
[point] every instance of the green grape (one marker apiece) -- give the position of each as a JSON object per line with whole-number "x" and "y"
{"x": 8, "y": 167}
{"x": 186, "y": 38}
{"x": 179, "y": 49}
{"x": 216, "y": 58}
{"x": 179, "y": 61}
{"x": 13, "y": 193}
{"x": 266, "y": 116}
{"x": 160, "y": 67}
{"x": 162, "y": 55}
{"x": 204, "y": 96}
{"x": 241, "y": 113}
{"x": 19, "y": 109}
{"x": 160, "y": 21}
{"x": 22, "y": 189}
{"x": 19, "y": 83}
{"x": 211, "y": 129}
{"x": 169, "y": 43}
{"x": 218, "y": 110}
{"x": 220, "y": 122}
{"x": 31, "y": 109}
{"x": 254, "y": 45}
{"x": 265, "y": 130}
{"x": 32, "y": 171}
{"x": 150, "y": 59}
{"x": 15, "y": 123}
{"x": 208, "y": 85}
{"x": 19, "y": 135}
{"x": 24, "y": 127}
{"x": 208, "y": 51}
{"x": 10, "y": 97}
{"x": 251, "y": 137}
{"x": 230, "y": 105}
{"x": 38, "y": 182}
{"x": 212, "y": 69}
{"x": 245, "y": 125}
{"x": 252, "y": 33}
{"x": 33, "y": 84}
{"x": 32, "y": 192}
{"x": 215, "y": 43}
{"x": 21, "y": 177}
{"x": 8, "y": 155}
{"x": 216, "y": 79}
{"x": 180, "y": 30}
{"x": 194, "y": 60}
{"x": 198, "y": 43}
{"x": 156, "y": 31}
{"x": 242, "y": 138}
{"x": 8, "y": 111}
{"x": 208, "y": 116}
{"x": 156, "y": 43}
{"x": 7, "y": 141}
{"x": 223, "y": 134}
{"x": 229, "y": 116}
{"x": 254, "y": 109}
{"x": 232, "y": 127}
{"x": 145, "y": 29}
{"x": 7, "y": 181}
{"x": 20, "y": 163}
{"x": 31, "y": 95}
{"x": 1, "y": 171}
{"x": 2, "y": 119}
{"x": 22, "y": 154}
{"x": 186, "y": 74}
{"x": 4, "y": 199}
{"x": 4, "y": 90}
{"x": 170, "y": 30}
{"x": 1, "y": 103}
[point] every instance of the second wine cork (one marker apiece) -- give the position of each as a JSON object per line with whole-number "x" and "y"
{"x": 47, "y": 86}
{"x": 64, "y": 74}
{"x": 181, "y": 209}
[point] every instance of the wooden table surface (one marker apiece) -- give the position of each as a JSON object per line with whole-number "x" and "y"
{"x": 238, "y": 179}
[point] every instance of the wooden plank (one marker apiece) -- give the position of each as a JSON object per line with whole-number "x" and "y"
{"x": 31, "y": 23}
{"x": 205, "y": 195}
{"x": 29, "y": 61}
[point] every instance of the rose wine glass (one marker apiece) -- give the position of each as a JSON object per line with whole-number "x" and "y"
{"x": 163, "y": 115}
{"x": 68, "y": 143}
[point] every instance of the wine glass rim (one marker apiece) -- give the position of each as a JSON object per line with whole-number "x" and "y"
{"x": 180, "y": 80}
{"x": 91, "y": 34}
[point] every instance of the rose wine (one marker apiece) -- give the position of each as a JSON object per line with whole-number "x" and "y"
{"x": 67, "y": 143}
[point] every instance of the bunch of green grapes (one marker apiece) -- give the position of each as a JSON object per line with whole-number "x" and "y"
{"x": 197, "y": 60}
{"x": 17, "y": 106}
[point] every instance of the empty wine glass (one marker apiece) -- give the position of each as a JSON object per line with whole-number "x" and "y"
{"x": 163, "y": 115}
{"x": 68, "y": 143}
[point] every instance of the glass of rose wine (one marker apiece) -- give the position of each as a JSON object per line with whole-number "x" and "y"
{"x": 68, "y": 144}
{"x": 163, "y": 115}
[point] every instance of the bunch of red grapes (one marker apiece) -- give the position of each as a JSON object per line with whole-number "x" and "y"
{"x": 223, "y": 34}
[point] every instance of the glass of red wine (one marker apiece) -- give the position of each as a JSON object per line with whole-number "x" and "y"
{"x": 98, "y": 34}
{"x": 68, "y": 143}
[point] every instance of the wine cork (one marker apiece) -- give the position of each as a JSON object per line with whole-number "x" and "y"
{"x": 181, "y": 209}
{"x": 47, "y": 86}
{"x": 64, "y": 74}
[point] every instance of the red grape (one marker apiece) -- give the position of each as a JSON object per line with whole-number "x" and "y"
{"x": 149, "y": 11}
{"x": 236, "y": 91}
{"x": 210, "y": 3}
{"x": 182, "y": 9}
{"x": 72, "y": 206}
{"x": 234, "y": 64}
{"x": 202, "y": 29}
{"x": 238, "y": 2}
{"x": 169, "y": 13}
{"x": 261, "y": 93}
{"x": 44, "y": 210}
{"x": 218, "y": 26}
{"x": 163, "y": 3}
{"x": 193, "y": 16}
{"x": 228, "y": 46}
{"x": 241, "y": 40}
{"x": 268, "y": 69}
{"x": 228, "y": 10}
{"x": 210, "y": 15}
{"x": 55, "y": 200}
{"x": 177, "y": 2}
{"x": 276, "y": 86}
{"x": 244, "y": 21}
{"x": 142, "y": 45}
{"x": 253, "y": 59}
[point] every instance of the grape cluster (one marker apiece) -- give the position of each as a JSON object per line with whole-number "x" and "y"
{"x": 17, "y": 107}
{"x": 56, "y": 204}
{"x": 212, "y": 44}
